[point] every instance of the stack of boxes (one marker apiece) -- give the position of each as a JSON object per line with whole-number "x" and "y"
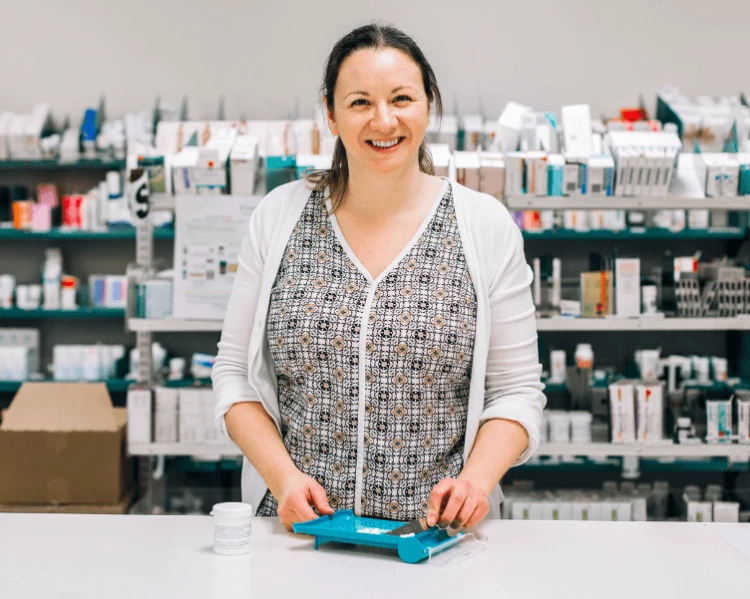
{"x": 171, "y": 415}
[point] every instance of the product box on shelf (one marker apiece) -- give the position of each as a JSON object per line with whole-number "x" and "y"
{"x": 622, "y": 411}
{"x": 467, "y": 169}
{"x": 650, "y": 420}
{"x": 596, "y": 294}
{"x": 139, "y": 406}
{"x": 64, "y": 443}
{"x": 492, "y": 174}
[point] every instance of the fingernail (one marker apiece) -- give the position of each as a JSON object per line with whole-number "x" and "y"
{"x": 431, "y": 518}
{"x": 443, "y": 524}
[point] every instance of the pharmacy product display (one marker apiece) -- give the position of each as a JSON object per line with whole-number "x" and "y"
{"x": 625, "y": 502}
{"x": 675, "y": 399}
{"x": 60, "y": 291}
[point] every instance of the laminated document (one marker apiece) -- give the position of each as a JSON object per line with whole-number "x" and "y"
{"x": 208, "y": 236}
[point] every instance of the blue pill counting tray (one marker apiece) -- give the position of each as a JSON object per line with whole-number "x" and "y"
{"x": 344, "y": 527}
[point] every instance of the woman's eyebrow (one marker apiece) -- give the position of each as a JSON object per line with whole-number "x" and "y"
{"x": 393, "y": 91}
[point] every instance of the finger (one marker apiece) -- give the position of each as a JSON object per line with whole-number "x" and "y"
{"x": 459, "y": 494}
{"x": 440, "y": 492}
{"x": 302, "y": 510}
{"x": 466, "y": 511}
{"x": 318, "y": 495}
{"x": 482, "y": 510}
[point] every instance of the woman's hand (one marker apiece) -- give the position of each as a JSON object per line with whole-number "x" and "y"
{"x": 299, "y": 493}
{"x": 456, "y": 503}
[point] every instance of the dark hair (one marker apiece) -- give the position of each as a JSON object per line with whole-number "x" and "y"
{"x": 372, "y": 36}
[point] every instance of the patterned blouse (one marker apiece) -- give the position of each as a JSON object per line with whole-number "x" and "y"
{"x": 373, "y": 375}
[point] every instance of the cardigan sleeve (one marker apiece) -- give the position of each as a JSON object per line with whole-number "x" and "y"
{"x": 513, "y": 388}
{"x": 230, "y": 371}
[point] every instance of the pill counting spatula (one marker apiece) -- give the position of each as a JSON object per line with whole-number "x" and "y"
{"x": 410, "y": 528}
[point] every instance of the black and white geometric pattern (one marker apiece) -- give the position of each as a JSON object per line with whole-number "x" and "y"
{"x": 420, "y": 339}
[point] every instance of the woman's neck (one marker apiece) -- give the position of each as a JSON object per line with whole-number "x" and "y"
{"x": 377, "y": 196}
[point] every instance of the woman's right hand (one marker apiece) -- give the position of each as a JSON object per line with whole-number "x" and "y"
{"x": 298, "y": 495}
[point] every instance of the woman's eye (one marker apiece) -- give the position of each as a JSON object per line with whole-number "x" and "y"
{"x": 402, "y": 98}
{"x": 360, "y": 102}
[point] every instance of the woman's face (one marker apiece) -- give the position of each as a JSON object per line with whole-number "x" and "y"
{"x": 381, "y": 110}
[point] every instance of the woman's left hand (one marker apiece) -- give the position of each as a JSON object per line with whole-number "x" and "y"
{"x": 456, "y": 503}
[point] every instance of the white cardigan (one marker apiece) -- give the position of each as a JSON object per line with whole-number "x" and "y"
{"x": 505, "y": 380}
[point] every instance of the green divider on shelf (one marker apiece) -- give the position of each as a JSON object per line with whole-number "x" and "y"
{"x": 85, "y": 312}
{"x": 64, "y": 235}
{"x": 82, "y": 164}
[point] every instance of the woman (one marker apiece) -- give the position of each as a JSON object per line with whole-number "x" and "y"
{"x": 379, "y": 351}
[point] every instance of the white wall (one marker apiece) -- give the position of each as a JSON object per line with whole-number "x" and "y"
{"x": 262, "y": 55}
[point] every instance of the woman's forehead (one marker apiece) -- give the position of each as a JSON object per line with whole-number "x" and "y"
{"x": 370, "y": 70}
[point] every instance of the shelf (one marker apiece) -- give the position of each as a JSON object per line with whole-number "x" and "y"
{"x": 173, "y": 325}
{"x": 666, "y": 450}
{"x": 18, "y": 314}
{"x": 529, "y": 202}
{"x": 740, "y": 323}
{"x": 214, "y": 450}
{"x": 70, "y": 234}
{"x": 219, "y": 449}
{"x": 56, "y": 165}
{"x": 646, "y": 234}
{"x": 163, "y": 201}
{"x": 113, "y": 385}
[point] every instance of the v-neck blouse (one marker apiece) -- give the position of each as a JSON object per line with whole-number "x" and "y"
{"x": 373, "y": 375}
{"x": 505, "y": 370}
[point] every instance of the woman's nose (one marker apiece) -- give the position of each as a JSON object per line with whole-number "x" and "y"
{"x": 384, "y": 118}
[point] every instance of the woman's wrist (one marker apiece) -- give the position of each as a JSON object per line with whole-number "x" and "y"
{"x": 482, "y": 483}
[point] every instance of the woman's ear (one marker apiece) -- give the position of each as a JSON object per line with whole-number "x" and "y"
{"x": 331, "y": 121}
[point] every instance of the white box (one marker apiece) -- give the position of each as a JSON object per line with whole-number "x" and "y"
{"x": 616, "y": 511}
{"x": 139, "y": 415}
{"x": 6, "y": 118}
{"x": 571, "y": 183}
{"x": 183, "y": 165}
{"x": 650, "y": 420}
{"x": 243, "y": 165}
{"x": 23, "y": 337}
{"x": 557, "y": 510}
{"x": 509, "y": 127}
{"x": 586, "y": 510}
{"x": 628, "y": 287}
{"x": 576, "y": 121}
{"x": 743, "y": 420}
{"x": 514, "y": 167}
{"x": 726, "y": 511}
{"x": 166, "y": 414}
{"x": 699, "y": 511}
{"x": 640, "y": 509}
{"x": 622, "y": 411}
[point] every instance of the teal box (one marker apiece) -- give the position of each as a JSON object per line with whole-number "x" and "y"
{"x": 280, "y": 170}
{"x": 744, "y": 186}
{"x": 555, "y": 180}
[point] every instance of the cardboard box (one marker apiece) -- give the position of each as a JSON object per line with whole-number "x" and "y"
{"x": 64, "y": 443}
{"x": 71, "y": 508}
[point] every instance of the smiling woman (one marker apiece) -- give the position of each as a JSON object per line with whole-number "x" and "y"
{"x": 379, "y": 351}
{"x": 379, "y": 90}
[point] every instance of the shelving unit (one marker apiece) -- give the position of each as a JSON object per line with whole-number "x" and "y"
{"x": 68, "y": 234}
{"x": 113, "y": 385}
{"x": 592, "y": 450}
{"x": 585, "y": 202}
{"x": 738, "y": 323}
{"x": 667, "y": 450}
{"x": 86, "y": 312}
{"x": 213, "y": 450}
{"x": 52, "y": 165}
{"x": 172, "y": 325}
{"x": 723, "y": 233}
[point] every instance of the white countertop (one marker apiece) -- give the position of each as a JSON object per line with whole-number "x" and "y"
{"x": 75, "y": 556}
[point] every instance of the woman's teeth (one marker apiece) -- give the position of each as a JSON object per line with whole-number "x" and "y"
{"x": 385, "y": 144}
